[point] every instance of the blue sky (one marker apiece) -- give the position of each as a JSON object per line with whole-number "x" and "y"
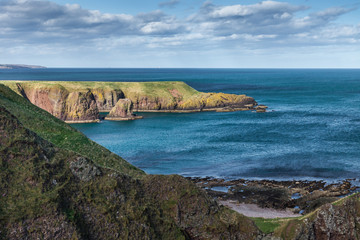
{"x": 181, "y": 33}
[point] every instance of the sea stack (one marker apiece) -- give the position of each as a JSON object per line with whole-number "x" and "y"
{"x": 123, "y": 110}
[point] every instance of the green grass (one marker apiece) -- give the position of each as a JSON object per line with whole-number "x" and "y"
{"x": 341, "y": 200}
{"x": 131, "y": 89}
{"x": 267, "y": 225}
{"x": 61, "y": 134}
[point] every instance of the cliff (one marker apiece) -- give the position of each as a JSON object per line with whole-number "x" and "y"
{"x": 57, "y": 184}
{"x": 81, "y": 101}
{"x": 334, "y": 221}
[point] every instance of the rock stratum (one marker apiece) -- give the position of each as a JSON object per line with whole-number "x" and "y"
{"x": 82, "y": 101}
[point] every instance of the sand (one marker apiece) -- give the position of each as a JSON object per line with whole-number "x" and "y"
{"x": 252, "y": 210}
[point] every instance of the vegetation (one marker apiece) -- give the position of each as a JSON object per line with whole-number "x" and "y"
{"x": 131, "y": 89}
{"x": 268, "y": 225}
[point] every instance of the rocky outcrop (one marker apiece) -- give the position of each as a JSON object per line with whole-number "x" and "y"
{"x": 52, "y": 99}
{"x": 106, "y": 99}
{"x": 81, "y": 106}
{"x": 123, "y": 110}
{"x": 69, "y": 106}
{"x": 336, "y": 221}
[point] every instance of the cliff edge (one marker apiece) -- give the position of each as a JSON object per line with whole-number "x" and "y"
{"x": 82, "y": 101}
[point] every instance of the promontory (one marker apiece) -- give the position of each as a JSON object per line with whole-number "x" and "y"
{"x": 82, "y": 101}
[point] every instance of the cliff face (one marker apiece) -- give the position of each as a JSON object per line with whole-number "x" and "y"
{"x": 81, "y": 101}
{"x": 59, "y": 190}
{"x": 337, "y": 221}
{"x": 81, "y": 106}
{"x": 65, "y": 105}
{"x": 106, "y": 99}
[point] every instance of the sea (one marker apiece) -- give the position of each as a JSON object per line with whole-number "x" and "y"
{"x": 310, "y": 132}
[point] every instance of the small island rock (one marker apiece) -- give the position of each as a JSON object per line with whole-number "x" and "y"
{"x": 123, "y": 110}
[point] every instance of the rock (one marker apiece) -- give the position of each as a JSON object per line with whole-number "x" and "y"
{"x": 122, "y": 109}
{"x": 337, "y": 221}
{"x": 84, "y": 169}
{"x": 72, "y": 106}
{"x": 261, "y": 108}
{"x": 106, "y": 99}
{"x": 81, "y": 106}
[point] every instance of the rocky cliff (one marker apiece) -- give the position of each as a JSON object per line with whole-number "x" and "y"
{"x": 333, "y": 221}
{"x": 81, "y": 101}
{"x": 57, "y": 184}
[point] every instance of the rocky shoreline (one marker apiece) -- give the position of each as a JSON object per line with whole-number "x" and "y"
{"x": 299, "y": 197}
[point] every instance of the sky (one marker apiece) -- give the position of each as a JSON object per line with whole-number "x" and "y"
{"x": 181, "y": 33}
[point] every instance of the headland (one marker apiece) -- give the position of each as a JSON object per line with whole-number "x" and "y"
{"x": 82, "y": 101}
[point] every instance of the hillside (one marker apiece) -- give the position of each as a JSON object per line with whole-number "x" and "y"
{"x": 19, "y": 66}
{"x": 57, "y": 184}
{"x": 82, "y": 101}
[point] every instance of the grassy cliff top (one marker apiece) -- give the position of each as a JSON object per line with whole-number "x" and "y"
{"x": 159, "y": 89}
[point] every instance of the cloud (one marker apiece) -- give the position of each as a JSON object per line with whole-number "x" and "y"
{"x": 267, "y": 17}
{"x": 170, "y": 4}
{"x": 38, "y": 19}
{"x": 264, "y": 25}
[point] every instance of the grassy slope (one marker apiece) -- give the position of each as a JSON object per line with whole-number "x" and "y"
{"x": 160, "y": 89}
{"x": 61, "y": 134}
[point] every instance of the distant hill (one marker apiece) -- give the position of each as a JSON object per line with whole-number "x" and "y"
{"x": 18, "y": 66}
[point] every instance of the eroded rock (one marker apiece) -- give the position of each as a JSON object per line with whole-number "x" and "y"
{"x": 84, "y": 169}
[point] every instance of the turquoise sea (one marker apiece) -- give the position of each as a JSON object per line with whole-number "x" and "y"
{"x": 312, "y": 129}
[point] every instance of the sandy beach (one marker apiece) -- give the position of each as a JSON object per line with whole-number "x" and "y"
{"x": 252, "y": 210}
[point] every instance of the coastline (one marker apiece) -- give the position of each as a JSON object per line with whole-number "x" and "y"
{"x": 271, "y": 198}
{"x": 82, "y": 121}
{"x": 123, "y": 118}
